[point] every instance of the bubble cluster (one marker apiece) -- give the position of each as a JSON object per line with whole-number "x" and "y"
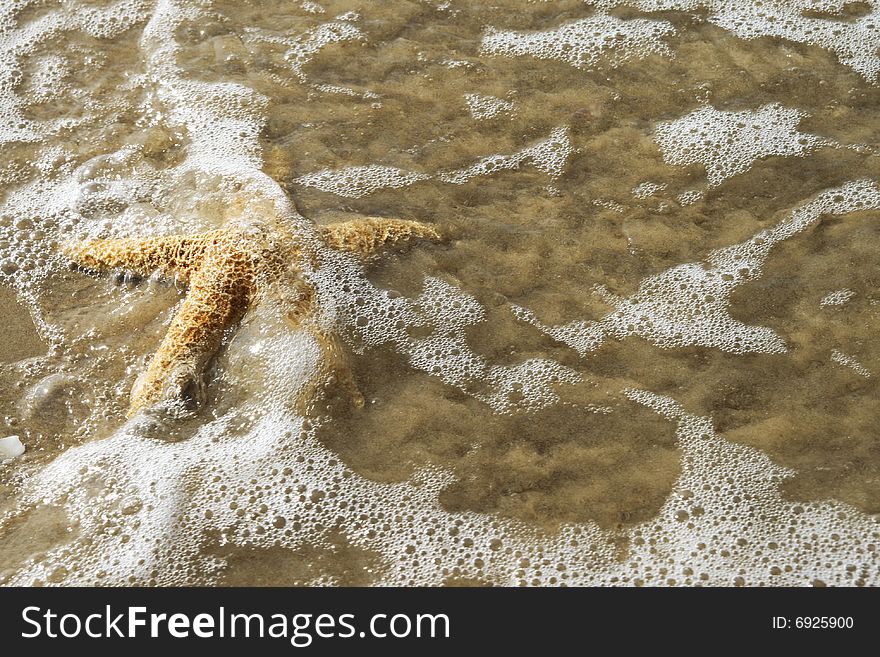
{"x": 354, "y": 182}
{"x": 483, "y": 108}
{"x": 374, "y": 317}
{"x": 347, "y": 91}
{"x": 848, "y": 361}
{"x": 548, "y": 156}
{"x": 814, "y": 22}
{"x": 609, "y": 204}
{"x": 728, "y": 143}
{"x": 312, "y": 7}
{"x": 47, "y": 81}
{"x": 584, "y": 43}
{"x": 837, "y": 298}
{"x": 689, "y": 304}
{"x": 690, "y": 196}
{"x": 304, "y": 48}
{"x": 149, "y": 512}
{"x": 647, "y": 188}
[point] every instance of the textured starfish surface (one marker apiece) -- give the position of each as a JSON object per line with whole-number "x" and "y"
{"x": 226, "y": 272}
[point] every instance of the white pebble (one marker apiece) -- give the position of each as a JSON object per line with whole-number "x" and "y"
{"x": 10, "y": 447}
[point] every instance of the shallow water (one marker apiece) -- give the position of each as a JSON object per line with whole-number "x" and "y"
{"x": 643, "y": 353}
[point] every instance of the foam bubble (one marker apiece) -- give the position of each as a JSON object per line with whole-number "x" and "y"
{"x": 222, "y": 120}
{"x": 373, "y": 318}
{"x": 354, "y": 182}
{"x": 458, "y": 63}
{"x": 483, "y": 108}
{"x": 609, "y": 204}
{"x": 690, "y": 196}
{"x": 305, "y": 47}
{"x": 584, "y": 43}
{"x": 728, "y": 143}
{"x": 548, "y": 156}
{"x": 836, "y": 298}
{"x": 346, "y": 91}
{"x": 312, "y": 7}
{"x": 647, "y": 188}
{"x": 149, "y": 512}
{"x": 689, "y": 304}
{"x": 848, "y": 361}
{"x": 854, "y": 40}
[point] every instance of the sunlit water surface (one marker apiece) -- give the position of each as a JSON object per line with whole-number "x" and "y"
{"x": 644, "y": 353}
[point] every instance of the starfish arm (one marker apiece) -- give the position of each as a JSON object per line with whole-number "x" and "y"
{"x": 338, "y": 372}
{"x": 173, "y": 255}
{"x": 364, "y": 236}
{"x": 215, "y": 300}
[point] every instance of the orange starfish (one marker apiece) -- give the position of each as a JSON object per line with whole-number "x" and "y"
{"x": 225, "y": 271}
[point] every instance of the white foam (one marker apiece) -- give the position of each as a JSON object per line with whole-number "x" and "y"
{"x": 444, "y": 311}
{"x": 483, "y": 108}
{"x": 689, "y": 304}
{"x": 47, "y": 81}
{"x": 346, "y": 91}
{"x": 354, "y": 182}
{"x": 647, "y": 188}
{"x": 584, "y": 43}
{"x": 854, "y": 41}
{"x": 304, "y": 48}
{"x": 154, "y": 512}
{"x": 690, "y": 196}
{"x": 837, "y": 298}
{"x": 312, "y": 7}
{"x": 728, "y": 143}
{"x": 222, "y": 119}
{"x": 549, "y": 156}
{"x": 848, "y": 361}
{"x": 609, "y": 204}
{"x": 458, "y": 63}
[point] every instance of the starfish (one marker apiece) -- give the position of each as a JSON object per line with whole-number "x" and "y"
{"x": 226, "y": 272}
